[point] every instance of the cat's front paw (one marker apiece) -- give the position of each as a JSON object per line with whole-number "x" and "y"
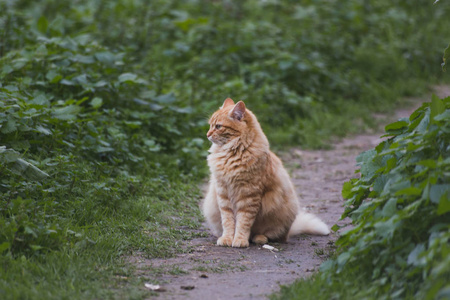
{"x": 225, "y": 241}
{"x": 240, "y": 243}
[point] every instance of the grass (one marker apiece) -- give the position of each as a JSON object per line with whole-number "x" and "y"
{"x": 99, "y": 242}
{"x": 104, "y": 106}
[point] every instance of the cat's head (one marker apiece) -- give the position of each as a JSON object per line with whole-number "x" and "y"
{"x": 229, "y": 123}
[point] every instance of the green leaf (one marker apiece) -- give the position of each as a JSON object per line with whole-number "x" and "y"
{"x": 67, "y": 82}
{"x": 133, "y": 124}
{"x": 413, "y": 257}
{"x": 9, "y": 127}
{"x": 396, "y": 125}
{"x": 439, "y": 190}
{"x": 365, "y": 157}
{"x": 6, "y": 69}
{"x": 27, "y": 170}
{"x": 423, "y": 125}
{"x": 42, "y": 24}
{"x": 326, "y": 266}
{"x": 81, "y": 79}
{"x": 30, "y": 231}
{"x": 444, "y": 204}
{"x": 4, "y": 246}
{"x": 43, "y": 130}
{"x": 83, "y": 59}
{"x": 347, "y": 189}
{"x": 380, "y": 183}
{"x": 96, "y": 102}
{"x": 36, "y": 247}
{"x": 152, "y": 145}
{"x": 409, "y": 191}
{"x": 184, "y": 110}
{"x": 343, "y": 258}
{"x": 53, "y": 76}
{"x": 166, "y": 98}
{"x": 101, "y": 149}
{"x": 419, "y": 113}
{"x": 40, "y": 100}
{"x": 186, "y": 24}
{"x": 19, "y": 63}
{"x": 127, "y": 77}
{"x": 66, "y": 113}
{"x": 437, "y": 107}
{"x": 41, "y": 50}
{"x": 391, "y": 163}
{"x": 101, "y": 83}
{"x": 386, "y": 228}
{"x": 430, "y": 163}
{"x": 390, "y": 208}
{"x": 444, "y": 116}
{"x": 8, "y": 155}
{"x": 105, "y": 57}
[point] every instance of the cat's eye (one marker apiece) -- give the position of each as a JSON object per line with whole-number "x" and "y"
{"x": 218, "y": 126}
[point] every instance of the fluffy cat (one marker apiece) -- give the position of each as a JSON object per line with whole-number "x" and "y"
{"x": 250, "y": 194}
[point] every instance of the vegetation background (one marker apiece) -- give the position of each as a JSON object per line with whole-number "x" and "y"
{"x": 104, "y": 106}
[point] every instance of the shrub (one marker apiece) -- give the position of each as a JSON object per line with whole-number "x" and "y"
{"x": 400, "y": 208}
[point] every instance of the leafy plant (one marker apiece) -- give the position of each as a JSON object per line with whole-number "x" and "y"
{"x": 400, "y": 208}
{"x": 104, "y": 105}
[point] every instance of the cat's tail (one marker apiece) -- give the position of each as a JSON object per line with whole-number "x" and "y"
{"x": 309, "y": 224}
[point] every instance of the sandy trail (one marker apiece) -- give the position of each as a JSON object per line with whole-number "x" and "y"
{"x": 212, "y": 272}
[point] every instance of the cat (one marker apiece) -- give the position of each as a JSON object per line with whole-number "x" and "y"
{"x": 250, "y": 194}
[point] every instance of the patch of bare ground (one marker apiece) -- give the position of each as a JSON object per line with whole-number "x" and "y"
{"x": 211, "y": 272}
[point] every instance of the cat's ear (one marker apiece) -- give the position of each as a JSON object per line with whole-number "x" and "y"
{"x": 227, "y": 102}
{"x": 238, "y": 111}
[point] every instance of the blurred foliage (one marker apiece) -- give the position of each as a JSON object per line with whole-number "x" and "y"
{"x": 105, "y": 102}
{"x": 446, "y": 58}
{"x": 399, "y": 247}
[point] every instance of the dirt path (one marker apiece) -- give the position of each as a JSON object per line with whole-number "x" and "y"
{"x": 212, "y": 272}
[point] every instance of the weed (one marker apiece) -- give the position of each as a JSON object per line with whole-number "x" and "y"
{"x": 319, "y": 251}
{"x": 401, "y": 210}
{"x": 103, "y": 110}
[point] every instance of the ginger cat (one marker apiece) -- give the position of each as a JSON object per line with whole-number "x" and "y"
{"x": 250, "y": 193}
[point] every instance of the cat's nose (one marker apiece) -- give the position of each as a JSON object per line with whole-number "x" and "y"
{"x": 209, "y": 133}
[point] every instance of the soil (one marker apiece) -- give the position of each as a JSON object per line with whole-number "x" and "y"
{"x": 212, "y": 272}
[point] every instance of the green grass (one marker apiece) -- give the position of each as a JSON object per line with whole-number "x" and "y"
{"x": 95, "y": 240}
{"x": 104, "y": 107}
